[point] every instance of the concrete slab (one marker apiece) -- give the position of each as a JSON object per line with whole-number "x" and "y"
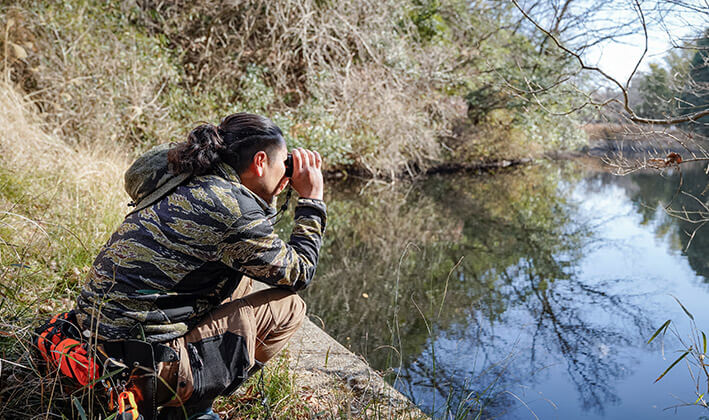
{"x": 336, "y": 377}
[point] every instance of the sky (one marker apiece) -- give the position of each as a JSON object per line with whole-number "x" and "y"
{"x": 619, "y": 59}
{"x": 666, "y": 23}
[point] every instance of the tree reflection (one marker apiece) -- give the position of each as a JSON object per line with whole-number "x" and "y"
{"x": 473, "y": 329}
{"x": 678, "y": 192}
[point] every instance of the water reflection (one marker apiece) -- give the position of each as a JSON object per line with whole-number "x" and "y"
{"x": 471, "y": 292}
{"x": 678, "y": 190}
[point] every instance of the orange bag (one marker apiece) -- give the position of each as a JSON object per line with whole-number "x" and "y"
{"x": 58, "y": 343}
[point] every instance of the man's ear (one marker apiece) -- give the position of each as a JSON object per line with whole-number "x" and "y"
{"x": 259, "y": 162}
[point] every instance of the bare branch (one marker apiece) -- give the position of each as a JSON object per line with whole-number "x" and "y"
{"x": 641, "y": 15}
{"x": 691, "y": 117}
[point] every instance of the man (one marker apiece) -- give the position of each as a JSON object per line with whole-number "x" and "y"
{"x": 175, "y": 276}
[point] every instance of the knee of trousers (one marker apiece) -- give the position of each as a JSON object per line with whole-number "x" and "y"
{"x": 297, "y": 309}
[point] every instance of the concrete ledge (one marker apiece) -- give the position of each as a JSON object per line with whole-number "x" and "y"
{"x": 332, "y": 374}
{"x": 323, "y": 366}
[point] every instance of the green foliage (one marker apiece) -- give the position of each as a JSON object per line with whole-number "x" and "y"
{"x": 426, "y": 17}
{"x": 376, "y": 94}
{"x": 656, "y": 93}
{"x": 696, "y": 96}
{"x": 517, "y": 105}
{"x": 679, "y": 86}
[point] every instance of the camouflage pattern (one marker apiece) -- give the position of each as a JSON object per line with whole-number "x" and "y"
{"x": 168, "y": 265}
{"x": 150, "y": 177}
{"x": 148, "y": 172}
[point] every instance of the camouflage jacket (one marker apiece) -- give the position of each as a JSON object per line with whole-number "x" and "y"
{"x": 169, "y": 264}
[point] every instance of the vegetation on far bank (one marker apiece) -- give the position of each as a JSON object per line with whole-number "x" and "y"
{"x": 385, "y": 87}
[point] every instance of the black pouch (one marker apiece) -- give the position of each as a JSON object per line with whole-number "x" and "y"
{"x": 141, "y": 359}
{"x": 219, "y": 365}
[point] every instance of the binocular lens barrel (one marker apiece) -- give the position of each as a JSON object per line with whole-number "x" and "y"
{"x": 289, "y": 165}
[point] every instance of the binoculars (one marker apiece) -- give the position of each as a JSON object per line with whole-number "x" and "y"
{"x": 289, "y": 165}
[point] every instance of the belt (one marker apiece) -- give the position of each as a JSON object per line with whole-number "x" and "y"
{"x": 146, "y": 354}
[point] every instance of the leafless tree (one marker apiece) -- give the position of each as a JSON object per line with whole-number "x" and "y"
{"x": 579, "y": 28}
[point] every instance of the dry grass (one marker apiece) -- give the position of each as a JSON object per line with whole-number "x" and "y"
{"x": 92, "y": 76}
{"x": 346, "y": 77}
{"x": 283, "y": 393}
{"x": 356, "y": 60}
{"x": 29, "y": 150}
{"x": 58, "y": 203}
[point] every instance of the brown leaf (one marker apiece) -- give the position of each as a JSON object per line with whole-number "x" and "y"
{"x": 673, "y": 158}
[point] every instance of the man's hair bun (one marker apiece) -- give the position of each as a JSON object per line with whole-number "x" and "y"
{"x": 199, "y": 153}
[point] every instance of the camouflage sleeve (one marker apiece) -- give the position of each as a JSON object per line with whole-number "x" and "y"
{"x": 252, "y": 247}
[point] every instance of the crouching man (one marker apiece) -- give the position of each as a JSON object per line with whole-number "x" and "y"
{"x": 168, "y": 300}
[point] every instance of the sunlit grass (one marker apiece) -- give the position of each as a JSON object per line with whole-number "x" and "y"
{"x": 270, "y": 393}
{"x": 58, "y": 203}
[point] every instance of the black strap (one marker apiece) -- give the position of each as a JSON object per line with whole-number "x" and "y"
{"x": 146, "y": 354}
{"x": 165, "y": 353}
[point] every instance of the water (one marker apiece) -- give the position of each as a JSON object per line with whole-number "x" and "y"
{"x": 530, "y": 293}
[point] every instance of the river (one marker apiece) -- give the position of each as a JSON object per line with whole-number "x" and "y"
{"x": 530, "y": 293}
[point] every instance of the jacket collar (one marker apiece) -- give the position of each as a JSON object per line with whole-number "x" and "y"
{"x": 227, "y": 172}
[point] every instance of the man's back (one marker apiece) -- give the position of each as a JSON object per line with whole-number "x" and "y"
{"x": 169, "y": 264}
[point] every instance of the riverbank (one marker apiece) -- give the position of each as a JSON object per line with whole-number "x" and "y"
{"x": 335, "y": 382}
{"x": 631, "y": 147}
{"x": 336, "y": 377}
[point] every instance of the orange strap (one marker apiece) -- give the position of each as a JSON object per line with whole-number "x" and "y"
{"x": 50, "y": 336}
{"x": 68, "y": 355}
{"x": 131, "y": 413}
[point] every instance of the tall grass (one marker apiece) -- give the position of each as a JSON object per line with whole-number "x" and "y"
{"x": 58, "y": 203}
{"x": 694, "y": 351}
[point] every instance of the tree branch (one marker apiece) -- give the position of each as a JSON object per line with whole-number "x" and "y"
{"x": 624, "y": 89}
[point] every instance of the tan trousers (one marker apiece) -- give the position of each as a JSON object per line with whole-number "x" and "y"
{"x": 220, "y": 350}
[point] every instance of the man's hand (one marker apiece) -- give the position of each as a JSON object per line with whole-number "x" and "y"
{"x": 307, "y": 175}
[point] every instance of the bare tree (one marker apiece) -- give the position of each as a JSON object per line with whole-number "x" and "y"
{"x": 591, "y": 25}
{"x": 661, "y": 140}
